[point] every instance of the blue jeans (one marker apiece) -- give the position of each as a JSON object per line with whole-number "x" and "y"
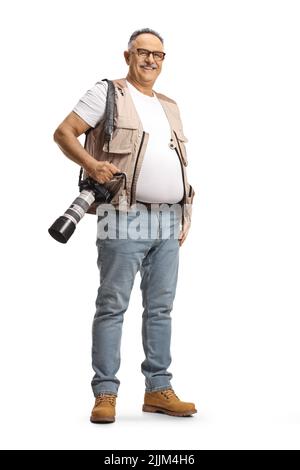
{"x": 147, "y": 243}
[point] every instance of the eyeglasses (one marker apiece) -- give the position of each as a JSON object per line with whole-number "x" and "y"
{"x": 144, "y": 53}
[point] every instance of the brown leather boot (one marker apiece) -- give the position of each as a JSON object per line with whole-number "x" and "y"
{"x": 165, "y": 401}
{"x": 104, "y": 410}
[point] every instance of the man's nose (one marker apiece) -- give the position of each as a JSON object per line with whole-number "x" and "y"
{"x": 150, "y": 58}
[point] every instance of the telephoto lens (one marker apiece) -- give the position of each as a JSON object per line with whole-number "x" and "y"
{"x": 63, "y": 228}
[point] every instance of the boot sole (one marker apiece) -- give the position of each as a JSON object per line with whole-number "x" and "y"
{"x": 101, "y": 420}
{"x": 156, "y": 409}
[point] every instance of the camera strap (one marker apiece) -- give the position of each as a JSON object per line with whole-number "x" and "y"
{"x": 109, "y": 118}
{"x": 109, "y": 111}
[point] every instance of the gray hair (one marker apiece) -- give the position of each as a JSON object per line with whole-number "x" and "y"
{"x": 143, "y": 31}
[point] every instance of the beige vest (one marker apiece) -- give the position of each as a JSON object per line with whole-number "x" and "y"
{"x": 127, "y": 148}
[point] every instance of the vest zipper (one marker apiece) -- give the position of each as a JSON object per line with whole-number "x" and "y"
{"x": 135, "y": 166}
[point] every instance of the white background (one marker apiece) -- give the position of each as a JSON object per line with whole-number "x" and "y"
{"x": 233, "y": 68}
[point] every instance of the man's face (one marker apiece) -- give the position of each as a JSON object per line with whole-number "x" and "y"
{"x": 143, "y": 69}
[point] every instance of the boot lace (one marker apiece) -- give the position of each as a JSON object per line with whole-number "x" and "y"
{"x": 102, "y": 398}
{"x": 169, "y": 393}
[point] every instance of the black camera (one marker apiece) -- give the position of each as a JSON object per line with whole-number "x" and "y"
{"x": 90, "y": 191}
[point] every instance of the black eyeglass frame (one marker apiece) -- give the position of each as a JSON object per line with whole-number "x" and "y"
{"x": 140, "y": 50}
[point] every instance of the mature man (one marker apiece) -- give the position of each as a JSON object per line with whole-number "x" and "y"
{"x": 148, "y": 146}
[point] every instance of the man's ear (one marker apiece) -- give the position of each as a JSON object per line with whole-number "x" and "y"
{"x": 126, "y": 55}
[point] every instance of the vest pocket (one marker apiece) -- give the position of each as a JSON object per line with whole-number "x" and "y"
{"x": 121, "y": 142}
{"x": 181, "y": 139}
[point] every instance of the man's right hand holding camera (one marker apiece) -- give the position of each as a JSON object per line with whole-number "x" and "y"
{"x": 102, "y": 172}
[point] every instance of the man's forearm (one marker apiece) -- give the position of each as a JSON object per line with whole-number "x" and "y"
{"x": 72, "y": 148}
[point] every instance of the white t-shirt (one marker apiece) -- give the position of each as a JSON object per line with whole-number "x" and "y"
{"x": 160, "y": 179}
{"x": 91, "y": 106}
